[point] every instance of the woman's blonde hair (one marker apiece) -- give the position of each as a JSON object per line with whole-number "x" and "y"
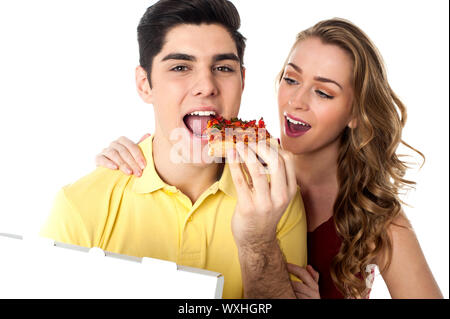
{"x": 370, "y": 173}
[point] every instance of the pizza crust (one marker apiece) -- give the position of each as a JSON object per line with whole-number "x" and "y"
{"x": 219, "y": 148}
{"x": 224, "y": 134}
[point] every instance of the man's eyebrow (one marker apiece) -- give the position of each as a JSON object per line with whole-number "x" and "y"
{"x": 179, "y": 56}
{"x": 187, "y": 57}
{"x": 226, "y": 56}
{"x": 316, "y": 78}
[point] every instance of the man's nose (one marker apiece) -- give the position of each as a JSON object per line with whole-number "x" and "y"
{"x": 205, "y": 84}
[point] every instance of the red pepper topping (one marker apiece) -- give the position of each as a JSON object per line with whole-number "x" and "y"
{"x": 219, "y": 122}
{"x": 261, "y": 123}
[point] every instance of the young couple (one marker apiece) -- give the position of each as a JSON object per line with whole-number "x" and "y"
{"x": 341, "y": 125}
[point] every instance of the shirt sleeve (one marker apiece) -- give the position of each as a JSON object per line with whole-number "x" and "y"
{"x": 65, "y": 224}
{"x": 292, "y": 232}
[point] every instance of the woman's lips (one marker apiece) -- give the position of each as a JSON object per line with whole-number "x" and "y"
{"x": 294, "y": 130}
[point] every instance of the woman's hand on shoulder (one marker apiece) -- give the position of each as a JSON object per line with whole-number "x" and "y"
{"x": 123, "y": 154}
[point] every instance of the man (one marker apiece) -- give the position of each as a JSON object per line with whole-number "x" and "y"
{"x": 181, "y": 208}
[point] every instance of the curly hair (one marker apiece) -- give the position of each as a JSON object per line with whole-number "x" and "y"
{"x": 370, "y": 172}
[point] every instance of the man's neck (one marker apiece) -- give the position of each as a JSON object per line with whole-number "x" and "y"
{"x": 191, "y": 179}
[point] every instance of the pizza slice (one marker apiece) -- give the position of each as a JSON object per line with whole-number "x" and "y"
{"x": 224, "y": 134}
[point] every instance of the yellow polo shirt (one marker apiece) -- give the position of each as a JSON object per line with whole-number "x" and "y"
{"x": 145, "y": 217}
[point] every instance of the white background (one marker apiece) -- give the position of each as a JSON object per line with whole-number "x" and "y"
{"x": 67, "y": 90}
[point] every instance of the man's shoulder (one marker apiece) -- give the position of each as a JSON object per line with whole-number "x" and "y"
{"x": 97, "y": 189}
{"x": 81, "y": 210}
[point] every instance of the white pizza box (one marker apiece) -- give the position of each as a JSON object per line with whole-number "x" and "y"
{"x": 35, "y": 267}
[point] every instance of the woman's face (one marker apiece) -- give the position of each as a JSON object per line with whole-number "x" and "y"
{"x": 315, "y": 97}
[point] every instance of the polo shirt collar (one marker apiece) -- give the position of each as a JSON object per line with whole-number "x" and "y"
{"x": 226, "y": 184}
{"x": 150, "y": 180}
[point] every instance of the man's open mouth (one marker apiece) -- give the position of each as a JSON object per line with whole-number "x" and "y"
{"x": 197, "y": 122}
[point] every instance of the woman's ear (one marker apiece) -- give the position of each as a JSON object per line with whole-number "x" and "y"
{"x": 353, "y": 123}
{"x": 143, "y": 85}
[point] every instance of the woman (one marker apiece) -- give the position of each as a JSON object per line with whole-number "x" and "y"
{"x": 343, "y": 124}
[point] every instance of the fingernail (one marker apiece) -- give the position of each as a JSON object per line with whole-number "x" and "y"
{"x": 141, "y": 164}
{"x": 279, "y": 142}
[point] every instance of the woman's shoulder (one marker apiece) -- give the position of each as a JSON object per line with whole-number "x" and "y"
{"x": 400, "y": 232}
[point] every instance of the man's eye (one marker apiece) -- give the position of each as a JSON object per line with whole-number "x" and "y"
{"x": 224, "y": 69}
{"x": 179, "y": 68}
{"x": 324, "y": 95}
{"x": 290, "y": 81}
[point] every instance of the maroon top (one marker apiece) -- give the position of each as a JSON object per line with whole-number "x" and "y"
{"x": 323, "y": 244}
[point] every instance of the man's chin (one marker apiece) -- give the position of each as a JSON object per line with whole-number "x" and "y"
{"x": 200, "y": 157}
{"x": 190, "y": 149}
{"x": 190, "y": 153}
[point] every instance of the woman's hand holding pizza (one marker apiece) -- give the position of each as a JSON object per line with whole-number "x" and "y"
{"x": 260, "y": 203}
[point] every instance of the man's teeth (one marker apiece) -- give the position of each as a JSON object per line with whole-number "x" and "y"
{"x": 203, "y": 113}
{"x": 294, "y": 121}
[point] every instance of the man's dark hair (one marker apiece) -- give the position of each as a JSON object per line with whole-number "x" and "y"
{"x": 166, "y": 14}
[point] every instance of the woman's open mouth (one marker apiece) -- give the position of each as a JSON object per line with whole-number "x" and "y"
{"x": 295, "y": 127}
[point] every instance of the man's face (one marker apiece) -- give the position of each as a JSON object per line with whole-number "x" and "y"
{"x": 195, "y": 76}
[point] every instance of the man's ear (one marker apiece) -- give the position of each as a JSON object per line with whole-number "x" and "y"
{"x": 143, "y": 85}
{"x": 243, "y": 78}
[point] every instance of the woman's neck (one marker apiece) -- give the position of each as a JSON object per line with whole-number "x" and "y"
{"x": 317, "y": 177}
{"x": 318, "y": 168}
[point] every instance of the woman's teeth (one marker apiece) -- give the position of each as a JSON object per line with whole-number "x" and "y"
{"x": 295, "y": 122}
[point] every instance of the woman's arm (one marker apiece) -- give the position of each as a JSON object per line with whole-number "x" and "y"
{"x": 408, "y": 275}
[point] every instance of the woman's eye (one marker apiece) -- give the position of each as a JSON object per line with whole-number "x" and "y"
{"x": 324, "y": 95}
{"x": 179, "y": 68}
{"x": 290, "y": 81}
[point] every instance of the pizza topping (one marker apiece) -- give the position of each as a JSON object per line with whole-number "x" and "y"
{"x": 246, "y": 131}
{"x": 261, "y": 123}
{"x": 221, "y": 123}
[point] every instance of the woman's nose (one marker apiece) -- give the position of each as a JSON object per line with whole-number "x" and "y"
{"x": 300, "y": 99}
